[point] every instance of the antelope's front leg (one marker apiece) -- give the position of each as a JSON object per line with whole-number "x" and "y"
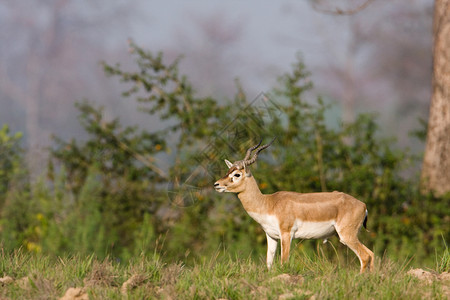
{"x": 285, "y": 246}
{"x": 271, "y": 249}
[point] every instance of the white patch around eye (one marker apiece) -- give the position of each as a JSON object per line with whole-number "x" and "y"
{"x": 235, "y": 178}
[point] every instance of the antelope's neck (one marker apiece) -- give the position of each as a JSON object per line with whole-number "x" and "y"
{"x": 251, "y": 198}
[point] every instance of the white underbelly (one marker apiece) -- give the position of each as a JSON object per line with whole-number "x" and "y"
{"x": 269, "y": 223}
{"x": 313, "y": 230}
{"x": 299, "y": 230}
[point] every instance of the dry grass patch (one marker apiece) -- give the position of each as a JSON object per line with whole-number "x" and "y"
{"x": 102, "y": 274}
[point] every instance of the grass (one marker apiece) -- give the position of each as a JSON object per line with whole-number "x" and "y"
{"x": 219, "y": 276}
{"x": 443, "y": 262}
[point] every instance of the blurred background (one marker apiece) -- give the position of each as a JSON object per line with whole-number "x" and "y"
{"x": 376, "y": 60}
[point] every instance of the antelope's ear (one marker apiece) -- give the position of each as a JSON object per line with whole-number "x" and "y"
{"x": 247, "y": 171}
{"x": 229, "y": 163}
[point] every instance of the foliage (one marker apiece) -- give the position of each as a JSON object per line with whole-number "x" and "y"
{"x": 112, "y": 195}
{"x": 443, "y": 263}
{"x": 16, "y": 211}
{"x": 10, "y": 159}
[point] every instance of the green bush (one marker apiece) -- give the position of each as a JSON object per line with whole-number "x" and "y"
{"x": 11, "y": 167}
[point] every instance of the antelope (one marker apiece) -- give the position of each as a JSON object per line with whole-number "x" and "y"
{"x": 287, "y": 215}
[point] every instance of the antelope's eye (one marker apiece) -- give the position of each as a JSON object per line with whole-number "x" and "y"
{"x": 237, "y": 175}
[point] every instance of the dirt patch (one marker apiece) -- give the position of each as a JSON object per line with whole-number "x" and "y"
{"x": 429, "y": 277}
{"x": 422, "y": 275}
{"x": 260, "y": 292}
{"x": 24, "y": 283}
{"x": 286, "y": 296}
{"x": 75, "y": 294}
{"x": 132, "y": 282}
{"x": 289, "y": 279}
{"x": 39, "y": 283}
{"x": 444, "y": 276}
{"x": 6, "y": 280}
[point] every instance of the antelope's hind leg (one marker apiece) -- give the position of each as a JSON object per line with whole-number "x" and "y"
{"x": 285, "y": 246}
{"x": 349, "y": 237}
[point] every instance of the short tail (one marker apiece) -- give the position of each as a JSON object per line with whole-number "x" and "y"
{"x": 365, "y": 220}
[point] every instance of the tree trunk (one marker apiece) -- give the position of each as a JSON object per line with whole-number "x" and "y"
{"x": 436, "y": 163}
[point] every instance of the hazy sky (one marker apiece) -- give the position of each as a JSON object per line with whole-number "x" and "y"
{"x": 271, "y": 34}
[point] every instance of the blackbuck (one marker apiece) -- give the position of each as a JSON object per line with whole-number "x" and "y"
{"x": 287, "y": 215}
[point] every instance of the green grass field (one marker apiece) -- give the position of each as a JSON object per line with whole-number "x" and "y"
{"x": 28, "y": 276}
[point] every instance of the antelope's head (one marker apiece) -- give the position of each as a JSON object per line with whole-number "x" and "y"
{"x": 234, "y": 180}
